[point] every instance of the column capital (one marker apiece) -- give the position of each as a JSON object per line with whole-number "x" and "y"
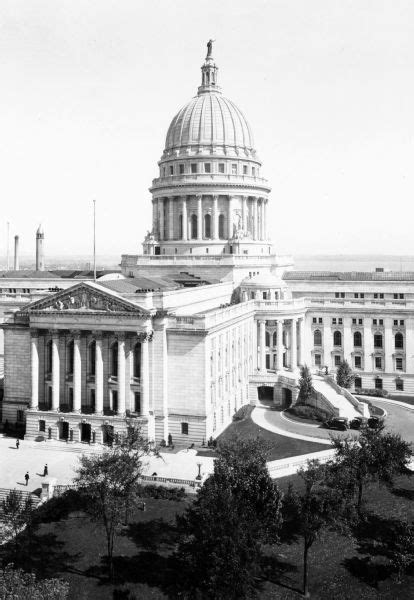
{"x": 120, "y": 336}
{"x": 34, "y": 333}
{"x": 262, "y": 321}
{"x": 145, "y": 336}
{"x": 75, "y": 333}
{"x": 97, "y": 334}
{"x": 215, "y": 197}
{"x": 199, "y": 197}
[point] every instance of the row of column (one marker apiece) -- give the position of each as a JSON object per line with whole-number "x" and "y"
{"x": 296, "y": 342}
{"x": 77, "y": 372}
{"x": 163, "y": 217}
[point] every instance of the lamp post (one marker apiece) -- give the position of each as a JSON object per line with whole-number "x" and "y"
{"x": 199, "y": 471}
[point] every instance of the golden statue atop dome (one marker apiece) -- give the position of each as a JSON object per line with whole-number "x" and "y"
{"x": 209, "y": 48}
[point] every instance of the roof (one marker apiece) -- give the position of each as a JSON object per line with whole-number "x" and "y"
{"x": 349, "y": 275}
{"x": 154, "y": 284}
{"x": 29, "y": 274}
{"x": 263, "y": 279}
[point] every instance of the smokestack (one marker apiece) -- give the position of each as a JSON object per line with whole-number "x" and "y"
{"x": 16, "y": 252}
{"x": 40, "y": 260}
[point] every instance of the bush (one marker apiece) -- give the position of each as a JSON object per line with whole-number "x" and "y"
{"x": 372, "y": 392}
{"x": 242, "y": 413}
{"x": 305, "y": 411}
{"x": 162, "y": 492}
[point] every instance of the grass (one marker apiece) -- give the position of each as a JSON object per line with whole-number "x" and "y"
{"x": 341, "y": 567}
{"x": 406, "y": 399}
{"x": 280, "y": 445}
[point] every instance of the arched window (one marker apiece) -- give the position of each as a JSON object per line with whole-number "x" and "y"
{"x": 221, "y": 227}
{"x": 137, "y": 360}
{"x": 274, "y": 339}
{"x": 193, "y": 227}
{"x": 357, "y": 339}
{"x": 180, "y": 226}
{"x": 207, "y": 226}
{"x": 399, "y": 340}
{"x": 378, "y": 340}
{"x": 49, "y": 356}
{"x": 317, "y": 338}
{"x": 70, "y": 356}
{"x": 284, "y": 338}
{"x": 114, "y": 359}
{"x": 337, "y": 337}
{"x": 267, "y": 337}
{"x": 92, "y": 358}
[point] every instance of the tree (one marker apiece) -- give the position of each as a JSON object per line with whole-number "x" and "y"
{"x": 110, "y": 480}
{"x": 305, "y": 384}
{"x": 307, "y": 513}
{"x": 17, "y": 514}
{"x": 375, "y": 456}
{"x": 402, "y": 549}
{"x": 15, "y": 583}
{"x": 235, "y": 513}
{"x": 344, "y": 375}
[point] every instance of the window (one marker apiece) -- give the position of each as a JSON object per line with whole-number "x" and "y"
{"x": 357, "y": 339}
{"x": 221, "y": 226}
{"x": 20, "y": 416}
{"x": 320, "y": 320}
{"x": 381, "y": 322}
{"x": 340, "y": 321}
{"x": 396, "y": 322}
{"x": 314, "y": 320}
{"x": 318, "y": 361}
{"x": 374, "y": 321}
{"x": 401, "y": 296}
{"x": 42, "y": 425}
{"x": 91, "y": 358}
{"x": 181, "y": 167}
{"x": 354, "y": 321}
{"x": 274, "y": 339}
{"x": 193, "y": 227}
{"x": 375, "y": 295}
{"x": 402, "y": 322}
{"x": 358, "y": 362}
{"x": 399, "y": 340}
{"x": 234, "y": 169}
{"x": 358, "y": 382}
{"x": 399, "y": 385}
{"x": 337, "y": 338}
{"x": 317, "y": 338}
{"x": 207, "y": 167}
{"x": 114, "y": 359}
{"x": 193, "y": 167}
{"x": 171, "y": 170}
{"x": 207, "y": 226}
{"x": 267, "y": 338}
{"x": 378, "y": 384}
{"x": 137, "y": 402}
{"x": 264, "y": 295}
{"x": 221, "y": 168}
{"x": 137, "y": 360}
{"x": 244, "y": 169}
{"x": 184, "y": 427}
{"x": 360, "y": 321}
{"x": 378, "y": 362}
{"x": 334, "y": 321}
{"x": 337, "y": 360}
{"x": 253, "y": 171}
{"x": 70, "y": 358}
{"x": 398, "y": 364}
{"x": 378, "y": 340}
{"x": 49, "y": 356}
{"x": 381, "y": 296}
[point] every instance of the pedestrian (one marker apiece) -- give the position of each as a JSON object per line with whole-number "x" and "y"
{"x": 27, "y": 477}
{"x": 17, "y": 444}
{"x": 45, "y": 471}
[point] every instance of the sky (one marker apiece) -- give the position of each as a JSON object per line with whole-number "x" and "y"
{"x": 89, "y": 88}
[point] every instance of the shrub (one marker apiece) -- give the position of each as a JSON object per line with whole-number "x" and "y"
{"x": 305, "y": 411}
{"x": 242, "y": 413}
{"x": 162, "y": 492}
{"x": 371, "y": 392}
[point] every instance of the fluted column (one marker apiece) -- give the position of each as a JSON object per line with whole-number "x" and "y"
{"x": 185, "y": 218}
{"x": 121, "y": 374}
{"x": 262, "y": 226}
{"x": 199, "y": 218}
{"x": 293, "y": 346}
{"x": 145, "y": 339}
{"x": 244, "y": 213}
{"x": 34, "y": 400}
{"x": 265, "y": 218}
{"x": 161, "y": 217}
{"x": 98, "y": 374}
{"x": 262, "y": 337}
{"x": 171, "y": 218}
{"x": 230, "y": 218}
{"x": 255, "y": 218}
{"x": 215, "y": 217}
{"x": 279, "y": 330}
{"x": 77, "y": 372}
{"x": 55, "y": 371}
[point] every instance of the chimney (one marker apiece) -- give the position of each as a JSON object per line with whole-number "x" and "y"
{"x": 16, "y": 252}
{"x": 40, "y": 261}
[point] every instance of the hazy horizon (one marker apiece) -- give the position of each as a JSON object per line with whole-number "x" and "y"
{"x": 90, "y": 88}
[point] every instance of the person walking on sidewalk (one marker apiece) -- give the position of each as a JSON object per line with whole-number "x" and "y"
{"x": 27, "y": 477}
{"x": 45, "y": 471}
{"x": 17, "y": 444}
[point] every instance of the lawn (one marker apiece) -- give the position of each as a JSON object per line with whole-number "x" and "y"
{"x": 280, "y": 445}
{"x": 349, "y": 568}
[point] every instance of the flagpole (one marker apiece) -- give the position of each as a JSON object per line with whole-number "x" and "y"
{"x": 94, "y": 240}
{"x": 8, "y": 245}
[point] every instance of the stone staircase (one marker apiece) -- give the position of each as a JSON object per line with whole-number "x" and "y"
{"x": 4, "y": 492}
{"x": 343, "y": 407}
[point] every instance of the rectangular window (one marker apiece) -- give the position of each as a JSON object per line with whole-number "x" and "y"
{"x": 42, "y": 425}
{"x": 318, "y": 360}
{"x": 244, "y": 169}
{"x": 357, "y": 362}
{"x": 362, "y": 295}
{"x": 314, "y": 320}
{"x": 399, "y": 385}
{"x": 395, "y": 321}
{"x": 358, "y": 382}
{"x": 374, "y": 321}
{"x": 354, "y": 321}
{"x": 253, "y": 171}
{"x": 171, "y": 170}
{"x": 375, "y": 295}
{"x": 359, "y": 321}
{"x": 20, "y": 416}
{"x": 221, "y": 168}
{"x": 334, "y": 321}
{"x": 356, "y": 295}
{"x": 378, "y": 384}
{"x": 378, "y": 362}
{"x": 207, "y": 167}
{"x": 402, "y": 322}
{"x": 377, "y": 340}
{"x": 184, "y": 428}
{"x": 336, "y": 294}
{"x": 234, "y": 169}
{"x": 340, "y": 321}
{"x": 137, "y": 402}
{"x": 381, "y": 322}
{"x": 193, "y": 167}
{"x": 399, "y": 364}
{"x": 320, "y": 320}
{"x": 381, "y": 296}
{"x": 401, "y": 296}
{"x": 395, "y": 296}
{"x": 181, "y": 169}
{"x": 337, "y": 361}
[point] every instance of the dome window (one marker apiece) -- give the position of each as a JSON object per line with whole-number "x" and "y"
{"x": 193, "y": 167}
{"x": 221, "y": 168}
{"x": 253, "y": 171}
{"x": 207, "y": 167}
{"x": 181, "y": 169}
{"x": 171, "y": 170}
{"x": 244, "y": 169}
{"x": 234, "y": 169}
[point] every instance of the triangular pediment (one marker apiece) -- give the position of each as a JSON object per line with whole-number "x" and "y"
{"x": 85, "y": 297}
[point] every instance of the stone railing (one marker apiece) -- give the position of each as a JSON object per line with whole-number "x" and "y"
{"x": 359, "y": 406}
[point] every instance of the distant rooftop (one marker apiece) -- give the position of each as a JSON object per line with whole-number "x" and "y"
{"x": 349, "y": 275}
{"x": 133, "y": 285}
{"x": 58, "y": 273}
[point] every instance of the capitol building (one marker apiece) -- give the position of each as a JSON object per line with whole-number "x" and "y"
{"x": 207, "y": 317}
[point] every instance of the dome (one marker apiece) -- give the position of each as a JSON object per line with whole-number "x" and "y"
{"x": 267, "y": 280}
{"x": 210, "y": 119}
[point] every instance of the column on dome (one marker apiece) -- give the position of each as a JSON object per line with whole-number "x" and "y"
{"x": 262, "y": 234}
{"x": 230, "y": 218}
{"x": 155, "y": 228}
{"x": 262, "y": 337}
{"x": 121, "y": 373}
{"x": 254, "y": 207}
{"x": 184, "y": 218}
{"x": 77, "y": 372}
{"x": 293, "y": 346}
{"x": 215, "y": 218}
{"x": 244, "y": 213}
{"x": 98, "y": 374}
{"x": 265, "y": 218}
{"x": 199, "y": 217}
{"x": 34, "y": 400}
{"x": 171, "y": 218}
{"x": 161, "y": 217}
{"x": 55, "y": 371}
{"x": 279, "y": 358}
